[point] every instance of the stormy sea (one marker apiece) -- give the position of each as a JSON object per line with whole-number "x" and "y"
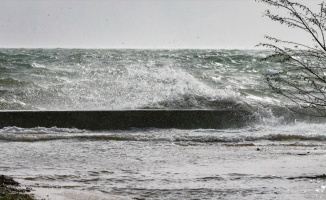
{"x": 281, "y": 155}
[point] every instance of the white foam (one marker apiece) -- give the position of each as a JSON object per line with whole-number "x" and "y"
{"x": 69, "y": 194}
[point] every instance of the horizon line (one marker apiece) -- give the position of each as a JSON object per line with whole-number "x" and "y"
{"x": 135, "y": 48}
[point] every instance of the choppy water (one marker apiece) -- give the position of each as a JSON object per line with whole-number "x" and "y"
{"x": 269, "y": 159}
{"x": 128, "y": 79}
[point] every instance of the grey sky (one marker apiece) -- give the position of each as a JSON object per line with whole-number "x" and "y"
{"x": 137, "y": 23}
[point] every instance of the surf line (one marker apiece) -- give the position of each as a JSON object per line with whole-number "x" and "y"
{"x": 127, "y": 119}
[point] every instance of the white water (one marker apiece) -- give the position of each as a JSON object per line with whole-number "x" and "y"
{"x": 270, "y": 159}
{"x": 176, "y": 164}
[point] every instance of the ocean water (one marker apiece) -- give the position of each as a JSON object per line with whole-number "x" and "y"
{"x": 281, "y": 156}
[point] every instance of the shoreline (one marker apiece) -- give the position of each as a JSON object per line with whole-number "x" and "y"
{"x": 11, "y": 190}
{"x": 289, "y": 166}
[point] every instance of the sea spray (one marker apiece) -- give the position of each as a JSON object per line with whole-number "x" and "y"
{"x": 264, "y": 160}
{"x": 82, "y": 79}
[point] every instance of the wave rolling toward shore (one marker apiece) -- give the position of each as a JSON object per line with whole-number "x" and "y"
{"x": 271, "y": 158}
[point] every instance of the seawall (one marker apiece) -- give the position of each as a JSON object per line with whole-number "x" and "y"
{"x": 126, "y": 119}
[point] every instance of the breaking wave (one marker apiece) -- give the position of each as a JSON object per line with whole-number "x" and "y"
{"x": 74, "y": 79}
{"x": 300, "y": 132}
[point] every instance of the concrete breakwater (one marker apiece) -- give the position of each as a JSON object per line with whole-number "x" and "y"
{"x": 126, "y": 119}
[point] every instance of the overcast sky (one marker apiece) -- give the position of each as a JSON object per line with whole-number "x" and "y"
{"x": 217, "y": 24}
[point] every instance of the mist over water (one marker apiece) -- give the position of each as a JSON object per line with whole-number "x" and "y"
{"x": 68, "y": 79}
{"x": 271, "y": 158}
{"x": 126, "y": 79}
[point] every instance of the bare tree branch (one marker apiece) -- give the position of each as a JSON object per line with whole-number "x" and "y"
{"x": 302, "y": 78}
